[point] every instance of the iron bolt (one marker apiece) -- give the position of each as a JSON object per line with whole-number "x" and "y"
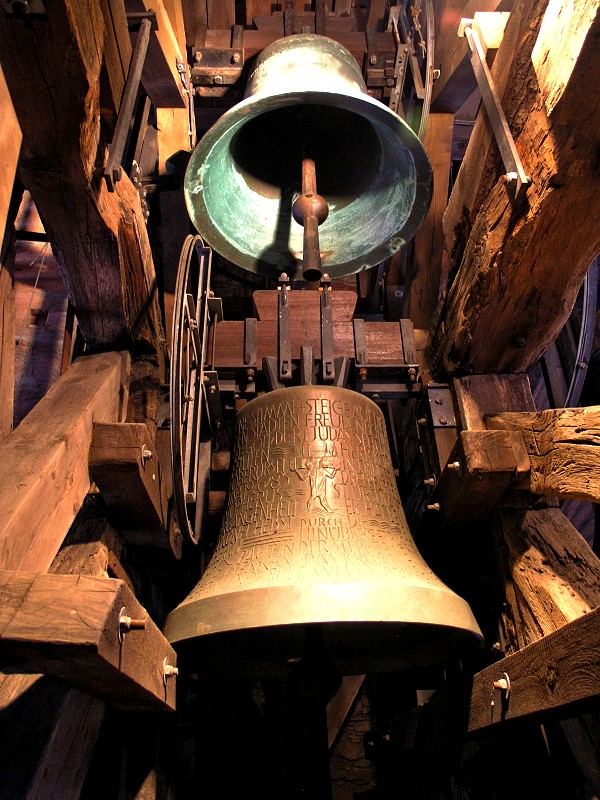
{"x": 198, "y": 56}
{"x": 219, "y": 79}
{"x": 433, "y": 507}
{"x": 422, "y": 421}
{"x": 250, "y": 374}
{"x": 453, "y": 466}
{"x": 236, "y": 58}
{"x": 503, "y": 684}
{"x": 429, "y": 482}
{"x": 127, "y": 623}
{"x": 412, "y": 374}
{"x": 435, "y": 74}
{"x": 362, "y": 374}
{"x": 373, "y": 60}
{"x": 146, "y": 454}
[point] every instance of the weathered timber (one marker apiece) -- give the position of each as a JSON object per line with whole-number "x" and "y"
{"x": 194, "y": 17}
{"x": 340, "y": 706}
{"x": 480, "y": 395}
{"x": 550, "y": 574}
{"x": 488, "y": 463}
{"x": 43, "y": 463}
{"x": 220, "y": 13}
{"x": 117, "y": 49}
{"x": 456, "y": 81}
{"x": 563, "y": 447}
{"x": 428, "y": 256}
{"x": 305, "y": 305}
{"x": 68, "y": 626}
{"x": 515, "y": 276}
{"x": 10, "y": 147}
{"x": 100, "y": 237}
{"x": 160, "y": 77}
{"x": 124, "y": 465}
{"x": 48, "y": 728}
{"x": 551, "y": 675}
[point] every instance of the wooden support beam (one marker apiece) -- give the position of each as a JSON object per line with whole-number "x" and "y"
{"x": 117, "y": 49}
{"x": 10, "y": 147}
{"x": 43, "y": 463}
{"x": 99, "y": 237}
{"x": 555, "y": 674}
{"x": 515, "y": 276}
{"x": 160, "y": 77}
{"x": 220, "y": 13}
{"x": 563, "y": 448}
{"x": 124, "y": 465}
{"x": 68, "y": 626}
{"x": 451, "y": 57}
{"x": 340, "y": 706}
{"x": 478, "y": 396}
{"x": 485, "y": 463}
{"x": 427, "y": 267}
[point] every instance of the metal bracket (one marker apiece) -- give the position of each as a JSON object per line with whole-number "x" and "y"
{"x": 515, "y": 172}
{"x": 328, "y": 367}
{"x": 284, "y": 344}
{"x": 116, "y": 149}
{"x": 441, "y": 405}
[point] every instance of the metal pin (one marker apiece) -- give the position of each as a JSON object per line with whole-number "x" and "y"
{"x": 127, "y": 623}
{"x": 169, "y": 671}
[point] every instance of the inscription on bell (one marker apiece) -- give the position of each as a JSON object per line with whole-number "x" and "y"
{"x": 312, "y": 495}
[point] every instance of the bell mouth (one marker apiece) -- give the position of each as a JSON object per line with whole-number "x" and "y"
{"x": 245, "y": 174}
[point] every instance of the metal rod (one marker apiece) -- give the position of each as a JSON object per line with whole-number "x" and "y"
{"x": 112, "y": 170}
{"x": 310, "y": 210}
{"x": 506, "y": 143}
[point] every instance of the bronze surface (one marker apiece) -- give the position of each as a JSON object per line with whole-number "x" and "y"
{"x": 314, "y": 534}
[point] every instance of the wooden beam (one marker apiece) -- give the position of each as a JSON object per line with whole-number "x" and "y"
{"x": 427, "y": 271}
{"x": 477, "y": 396}
{"x": 43, "y": 463}
{"x": 551, "y": 675}
{"x": 563, "y": 448}
{"x": 160, "y": 77}
{"x": 10, "y": 147}
{"x": 515, "y": 276}
{"x": 117, "y": 49}
{"x": 220, "y": 13}
{"x": 125, "y": 467}
{"x": 451, "y": 57}
{"x": 99, "y": 237}
{"x": 7, "y": 344}
{"x": 195, "y": 20}
{"x": 68, "y": 626}
{"x": 340, "y": 706}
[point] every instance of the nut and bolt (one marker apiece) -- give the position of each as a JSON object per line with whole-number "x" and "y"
{"x": 198, "y": 56}
{"x": 146, "y": 453}
{"x": 127, "y": 623}
{"x": 503, "y": 684}
{"x": 433, "y": 507}
{"x": 236, "y": 58}
{"x": 373, "y": 60}
{"x": 362, "y": 373}
{"x": 453, "y": 466}
{"x": 435, "y": 74}
{"x": 429, "y": 482}
{"x": 412, "y": 374}
{"x": 169, "y": 671}
{"x": 218, "y": 79}
{"x": 422, "y": 421}
{"x": 250, "y": 374}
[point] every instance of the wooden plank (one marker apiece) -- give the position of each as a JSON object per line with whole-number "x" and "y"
{"x": 43, "y": 463}
{"x": 99, "y": 237}
{"x": 7, "y": 345}
{"x": 160, "y": 78}
{"x": 477, "y": 396}
{"x": 68, "y": 626}
{"x": 563, "y": 447}
{"x": 429, "y": 251}
{"x": 305, "y": 305}
{"x": 551, "y": 675}
{"x": 376, "y": 18}
{"x": 124, "y": 465}
{"x": 456, "y": 81}
{"x": 10, "y": 147}
{"x": 220, "y": 13}
{"x": 514, "y": 276}
{"x": 117, "y": 48}
{"x": 195, "y": 20}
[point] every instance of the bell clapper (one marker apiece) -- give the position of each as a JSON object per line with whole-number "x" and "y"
{"x": 310, "y": 209}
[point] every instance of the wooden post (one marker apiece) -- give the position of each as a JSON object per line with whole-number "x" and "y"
{"x": 10, "y": 146}
{"x": 515, "y": 275}
{"x": 99, "y": 237}
{"x": 428, "y": 256}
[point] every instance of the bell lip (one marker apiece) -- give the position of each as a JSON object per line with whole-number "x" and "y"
{"x": 256, "y": 105}
{"x": 325, "y": 603}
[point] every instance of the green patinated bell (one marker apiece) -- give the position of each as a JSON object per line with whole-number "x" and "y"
{"x": 306, "y": 98}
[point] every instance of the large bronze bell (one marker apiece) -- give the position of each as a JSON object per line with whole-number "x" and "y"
{"x": 314, "y": 535}
{"x": 306, "y": 98}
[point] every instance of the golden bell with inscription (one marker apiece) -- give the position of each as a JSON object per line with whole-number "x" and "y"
{"x": 314, "y": 535}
